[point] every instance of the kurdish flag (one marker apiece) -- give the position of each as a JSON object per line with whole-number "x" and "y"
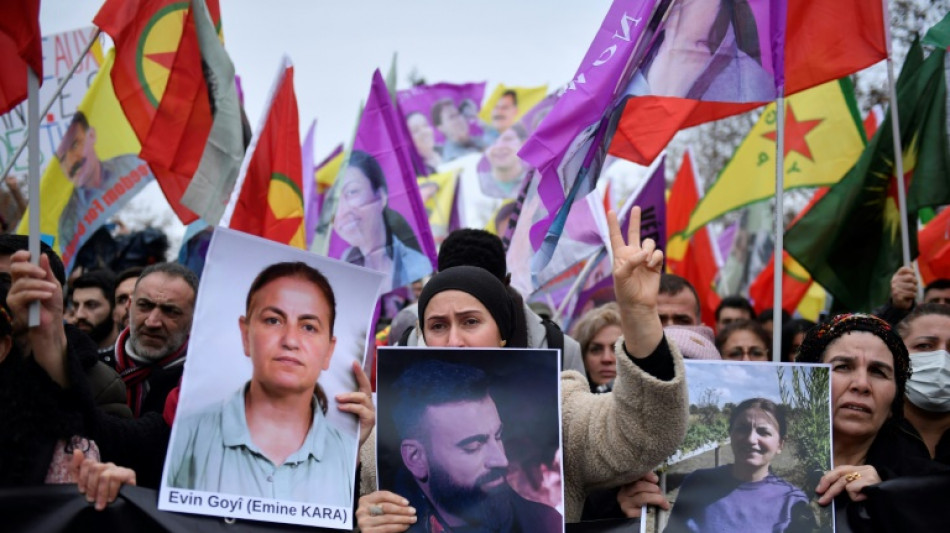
{"x": 268, "y": 200}
{"x": 850, "y": 239}
{"x": 712, "y": 63}
{"x": 823, "y": 139}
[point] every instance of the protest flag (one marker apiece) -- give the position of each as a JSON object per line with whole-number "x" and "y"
{"x": 873, "y": 120}
{"x": 567, "y": 148}
{"x": 934, "y": 242}
{"x": 850, "y": 240}
{"x": 762, "y": 50}
{"x": 311, "y": 209}
{"x": 96, "y": 171}
{"x": 268, "y": 200}
{"x": 823, "y": 139}
{"x": 693, "y": 257}
{"x": 211, "y": 184}
{"x": 325, "y": 174}
{"x": 20, "y": 46}
{"x": 507, "y": 104}
{"x": 160, "y": 83}
{"x": 379, "y": 219}
{"x": 795, "y": 279}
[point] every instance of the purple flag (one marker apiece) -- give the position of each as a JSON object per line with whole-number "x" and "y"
{"x": 443, "y": 120}
{"x": 311, "y": 209}
{"x": 380, "y": 221}
{"x": 568, "y": 147}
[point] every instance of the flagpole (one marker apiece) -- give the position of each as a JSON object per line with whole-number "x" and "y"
{"x": 33, "y": 180}
{"x": 779, "y": 226}
{"x": 592, "y": 261}
{"x": 896, "y": 134}
{"x": 49, "y": 104}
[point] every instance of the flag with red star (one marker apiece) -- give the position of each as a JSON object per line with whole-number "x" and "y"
{"x": 850, "y": 240}
{"x": 823, "y": 139}
{"x": 268, "y": 196}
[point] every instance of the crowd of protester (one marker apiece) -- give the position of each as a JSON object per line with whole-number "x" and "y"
{"x": 89, "y": 396}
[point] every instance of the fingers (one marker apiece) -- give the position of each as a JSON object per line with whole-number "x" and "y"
{"x": 846, "y": 477}
{"x": 362, "y": 380}
{"x": 616, "y": 239}
{"x": 633, "y": 230}
{"x": 75, "y": 463}
{"x": 396, "y": 515}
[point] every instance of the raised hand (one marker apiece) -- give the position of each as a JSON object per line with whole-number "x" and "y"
{"x": 37, "y": 283}
{"x": 637, "y": 268}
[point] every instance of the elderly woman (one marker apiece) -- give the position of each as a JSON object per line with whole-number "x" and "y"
{"x": 609, "y": 438}
{"x": 869, "y": 371}
{"x": 597, "y": 332}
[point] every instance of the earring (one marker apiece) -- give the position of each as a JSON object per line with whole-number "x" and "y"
{"x": 502, "y": 343}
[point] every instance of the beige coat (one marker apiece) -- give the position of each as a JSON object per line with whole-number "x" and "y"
{"x": 609, "y": 439}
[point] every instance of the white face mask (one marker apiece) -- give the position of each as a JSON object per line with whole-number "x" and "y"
{"x": 929, "y": 385}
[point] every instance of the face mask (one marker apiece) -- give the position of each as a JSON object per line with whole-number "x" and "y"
{"x": 929, "y": 385}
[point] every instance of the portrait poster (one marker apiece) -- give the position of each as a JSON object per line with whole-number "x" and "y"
{"x": 757, "y": 443}
{"x": 265, "y": 333}
{"x": 379, "y": 220}
{"x": 472, "y": 437}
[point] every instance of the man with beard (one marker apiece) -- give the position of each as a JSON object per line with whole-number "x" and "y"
{"x": 150, "y": 354}
{"x": 92, "y": 299}
{"x": 451, "y": 444}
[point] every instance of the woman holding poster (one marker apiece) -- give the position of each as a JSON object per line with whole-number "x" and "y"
{"x": 272, "y": 438}
{"x": 379, "y": 237}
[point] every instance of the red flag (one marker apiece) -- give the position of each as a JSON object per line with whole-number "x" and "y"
{"x": 20, "y": 45}
{"x": 159, "y": 81}
{"x": 696, "y": 258}
{"x": 819, "y": 42}
{"x": 268, "y": 198}
{"x": 934, "y": 244}
{"x": 795, "y": 279}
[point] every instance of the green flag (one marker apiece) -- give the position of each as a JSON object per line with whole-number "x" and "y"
{"x": 850, "y": 240}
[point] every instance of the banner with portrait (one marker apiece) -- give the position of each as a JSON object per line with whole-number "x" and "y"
{"x": 259, "y": 434}
{"x": 472, "y": 438}
{"x": 757, "y": 443}
{"x": 380, "y": 221}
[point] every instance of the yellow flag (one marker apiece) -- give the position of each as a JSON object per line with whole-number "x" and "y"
{"x": 326, "y": 174}
{"x": 510, "y": 109}
{"x": 96, "y": 170}
{"x": 823, "y": 140}
{"x": 438, "y": 197}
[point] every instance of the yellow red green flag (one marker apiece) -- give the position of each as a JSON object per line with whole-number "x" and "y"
{"x": 823, "y": 139}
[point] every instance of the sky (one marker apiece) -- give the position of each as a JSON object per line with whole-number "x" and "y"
{"x": 336, "y": 45}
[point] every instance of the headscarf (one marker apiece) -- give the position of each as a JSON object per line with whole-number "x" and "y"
{"x": 818, "y": 338}
{"x": 488, "y": 290}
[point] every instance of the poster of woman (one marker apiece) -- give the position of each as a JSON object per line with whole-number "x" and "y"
{"x": 758, "y": 441}
{"x": 266, "y": 426}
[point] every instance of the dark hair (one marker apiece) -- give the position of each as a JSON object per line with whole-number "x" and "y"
{"x": 739, "y": 15}
{"x": 433, "y": 382}
{"x": 395, "y": 223}
{"x": 79, "y": 118}
{"x": 742, "y": 325}
{"x": 103, "y": 280}
{"x": 671, "y": 284}
{"x": 297, "y": 269}
{"x": 818, "y": 338}
{"x": 735, "y": 302}
{"x": 436, "y": 112}
{"x": 512, "y": 93}
{"x": 474, "y": 247}
{"x": 903, "y": 327}
{"x": 293, "y": 269}
{"x": 174, "y": 270}
{"x": 10, "y": 244}
{"x": 767, "y": 315}
{"x": 789, "y": 330}
{"x": 131, "y": 272}
{"x": 937, "y": 285}
{"x": 770, "y": 407}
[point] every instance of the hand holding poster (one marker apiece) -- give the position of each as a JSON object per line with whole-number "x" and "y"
{"x": 456, "y": 440}
{"x": 263, "y": 437}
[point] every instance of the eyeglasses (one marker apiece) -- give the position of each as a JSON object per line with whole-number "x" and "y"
{"x": 739, "y": 351}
